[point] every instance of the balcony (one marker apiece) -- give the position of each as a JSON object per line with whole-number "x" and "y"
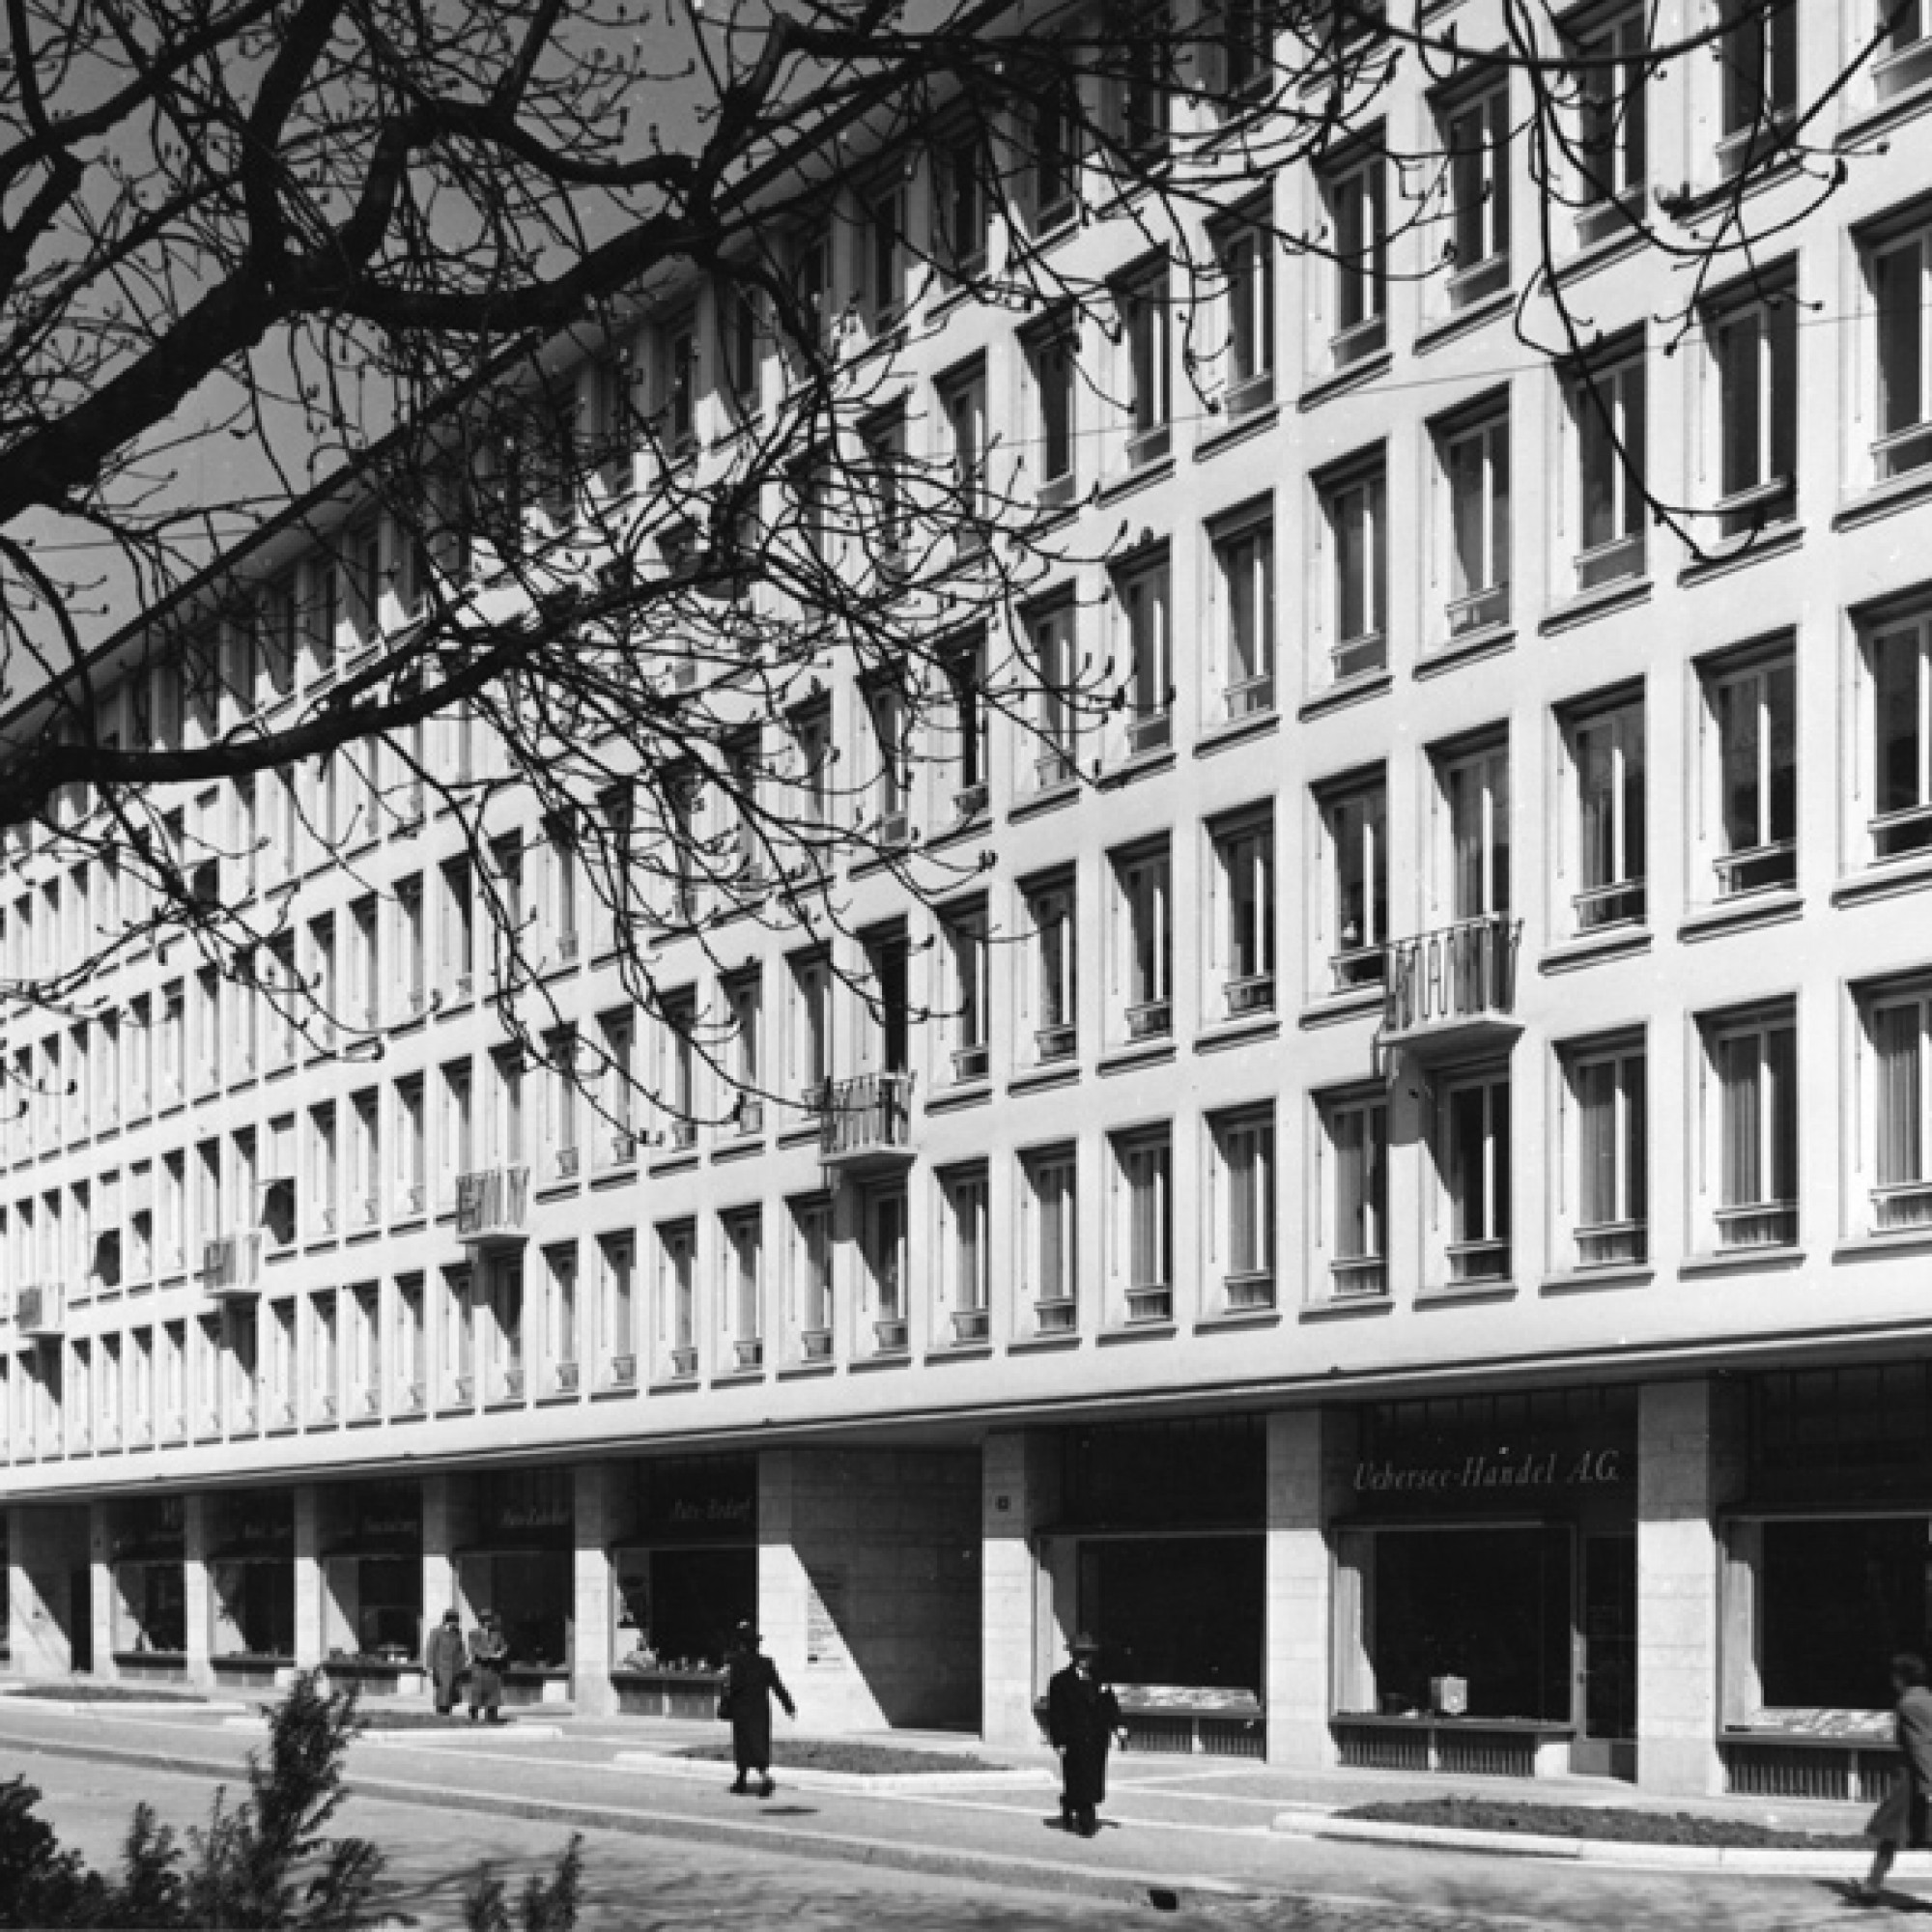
{"x": 231, "y": 1266}
{"x": 866, "y": 1121}
{"x": 493, "y": 1206}
{"x": 1453, "y": 989}
{"x": 38, "y": 1312}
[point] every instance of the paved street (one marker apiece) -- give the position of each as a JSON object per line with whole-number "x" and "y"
{"x": 677, "y": 1852}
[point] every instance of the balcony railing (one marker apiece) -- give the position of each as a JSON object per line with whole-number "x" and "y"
{"x": 1486, "y": 1260}
{"x": 865, "y": 1119}
{"x": 1253, "y": 1287}
{"x": 231, "y": 1266}
{"x": 1613, "y": 1243}
{"x": 493, "y": 1206}
{"x": 1756, "y": 869}
{"x": 1758, "y": 1224}
{"x": 1454, "y": 984}
{"x": 1356, "y": 1277}
{"x": 1153, "y": 1302}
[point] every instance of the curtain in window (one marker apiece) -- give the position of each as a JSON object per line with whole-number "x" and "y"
{"x": 1899, "y": 1037}
{"x": 1147, "y": 1250}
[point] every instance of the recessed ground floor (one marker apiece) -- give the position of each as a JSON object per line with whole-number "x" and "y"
{"x": 1695, "y": 1584}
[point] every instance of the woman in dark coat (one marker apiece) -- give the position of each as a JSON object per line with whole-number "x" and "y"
{"x": 445, "y": 1658}
{"x": 1901, "y": 1819}
{"x": 1083, "y": 1717}
{"x": 489, "y": 1651}
{"x": 751, "y": 1682}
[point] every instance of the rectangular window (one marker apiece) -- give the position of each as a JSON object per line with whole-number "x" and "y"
{"x": 1475, "y": 135}
{"x": 677, "y": 1075}
{"x": 1606, "y": 415}
{"x": 1138, "y": 50}
{"x": 677, "y": 1297}
{"x": 1898, "y": 1025}
{"x": 1754, "y": 349}
{"x": 1244, "y": 1212}
{"x": 961, "y": 167}
{"x": 891, "y": 784}
{"x": 1055, "y": 144}
{"x": 1475, "y": 458}
{"x": 1354, "y": 1195}
{"x": 560, "y": 1318}
{"x": 1245, "y": 875}
{"x": 1899, "y": 656}
{"x": 963, "y": 932}
{"x": 1142, "y": 591}
{"x": 1050, "y": 633}
{"x": 1144, "y": 1225}
{"x": 1606, "y": 756}
{"x": 1051, "y": 349}
{"x": 1244, "y": 255}
{"x": 811, "y": 1276}
{"x": 1356, "y": 920}
{"x": 962, "y": 405}
{"x": 1753, "y": 1121}
{"x": 811, "y": 762}
{"x": 810, "y": 1029}
{"x": 677, "y": 378}
{"x": 1354, "y": 510}
{"x": 965, "y": 673}
{"x": 1143, "y": 304}
{"x": 742, "y": 1244}
{"x": 1610, "y": 147}
{"x": 1610, "y": 1223}
{"x": 743, "y": 1052}
{"x": 1752, "y": 737}
{"x": 1145, "y": 929}
{"x": 882, "y": 278}
{"x": 1476, "y": 811}
{"x": 1472, "y": 1152}
{"x": 1358, "y": 240}
{"x": 963, "y": 1192}
{"x": 1905, "y": 58}
{"x": 1244, "y": 583}
{"x": 411, "y": 1366}
{"x": 1757, "y": 48}
{"x": 616, "y": 1269}
{"x": 1052, "y": 1250}
{"x": 883, "y": 1225}
{"x": 1050, "y": 919}
{"x": 1899, "y": 268}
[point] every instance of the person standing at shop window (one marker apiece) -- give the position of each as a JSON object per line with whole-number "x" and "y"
{"x": 445, "y": 1659}
{"x": 1901, "y": 1819}
{"x": 1083, "y": 1717}
{"x": 489, "y": 1651}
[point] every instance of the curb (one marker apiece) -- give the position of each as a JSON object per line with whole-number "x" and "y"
{"x": 1164, "y": 1892}
{"x": 807, "y": 1778}
{"x": 1826, "y": 1860}
{"x": 133, "y": 1707}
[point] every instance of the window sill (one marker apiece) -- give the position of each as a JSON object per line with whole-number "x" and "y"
{"x": 1233, "y": 731}
{"x": 618, "y": 1175}
{"x": 1737, "y": 553}
{"x": 1354, "y": 377}
{"x": 1577, "y": 1281}
{"x": 1627, "y": 241}
{"x": 1137, "y": 1332}
{"x": 1905, "y": 105}
{"x": 1462, "y": 321}
{"x": 1872, "y": 1247}
{"x": 1130, "y": 481}
{"x": 896, "y": 1358}
{"x": 683, "y": 1161}
{"x": 1057, "y": 1073}
{"x": 740, "y": 1147}
{"x": 1237, "y": 1318}
{"x": 1142, "y": 1053}
{"x": 1356, "y": 1002}
{"x": 1348, "y": 691}
{"x": 1456, "y": 1294}
{"x": 960, "y": 1351}
{"x": 1135, "y": 766}
{"x": 1341, "y": 1307}
{"x": 1604, "y": 601}
{"x": 1255, "y": 423}
{"x": 1884, "y": 880}
{"x": 799, "y": 1136}
{"x": 1885, "y": 499}
{"x": 956, "y": 1100}
{"x": 1721, "y": 197}
{"x": 1766, "y": 908}
{"x": 1036, "y": 802}
{"x": 734, "y": 1378}
{"x": 1224, "y": 1033}
{"x": 1032, "y": 1345}
{"x": 1492, "y": 640}
{"x": 1742, "y": 1261}
{"x": 1619, "y": 943}
{"x": 795, "y": 1371}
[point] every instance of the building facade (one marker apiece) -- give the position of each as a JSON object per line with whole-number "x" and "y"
{"x": 1411, "y": 1214}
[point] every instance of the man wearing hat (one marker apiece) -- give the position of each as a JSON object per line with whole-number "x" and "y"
{"x": 751, "y": 1682}
{"x": 1083, "y": 1717}
{"x": 445, "y": 1659}
{"x": 489, "y": 1651}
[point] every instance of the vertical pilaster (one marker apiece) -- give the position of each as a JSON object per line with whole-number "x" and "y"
{"x": 101, "y": 1596}
{"x": 197, "y": 1590}
{"x": 45, "y": 1545}
{"x": 438, "y": 1547}
{"x": 1677, "y": 1589}
{"x": 593, "y": 1612}
{"x": 1019, "y": 1493}
{"x": 310, "y": 1648}
{"x": 1307, "y": 1452}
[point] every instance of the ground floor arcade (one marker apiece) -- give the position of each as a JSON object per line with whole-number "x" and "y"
{"x": 1694, "y": 1583}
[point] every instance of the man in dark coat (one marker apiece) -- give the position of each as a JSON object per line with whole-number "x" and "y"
{"x": 1901, "y": 1819}
{"x": 1083, "y": 1717}
{"x": 489, "y": 1651}
{"x": 751, "y": 1682}
{"x": 445, "y": 1658}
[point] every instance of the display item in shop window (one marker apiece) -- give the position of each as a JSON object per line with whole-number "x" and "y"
{"x": 751, "y": 1682}
{"x": 489, "y": 1651}
{"x": 1083, "y": 1721}
{"x": 1901, "y": 1818}
{"x": 447, "y": 1661}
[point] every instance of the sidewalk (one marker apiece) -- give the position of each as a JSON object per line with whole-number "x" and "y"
{"x": 1193, "y": 1831}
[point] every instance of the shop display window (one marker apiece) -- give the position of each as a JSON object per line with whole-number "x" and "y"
{"x": 1185, "y": 1610}
{"x": 151, "y": 1606}
{"x": 530, "y": 1590}
{"x": 677, "y": 1609}
{"x": 255, "y": 1607}
{"x": 1835, "y": 1600}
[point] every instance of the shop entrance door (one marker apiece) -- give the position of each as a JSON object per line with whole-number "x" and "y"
{"x": 1606, "y": 1744}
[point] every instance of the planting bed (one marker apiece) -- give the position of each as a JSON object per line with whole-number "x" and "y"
{"x": 1586, "y": 1821}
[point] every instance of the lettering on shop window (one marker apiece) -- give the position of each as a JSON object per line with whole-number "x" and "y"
{"x": 713, "y": 1509}
{"x": 1587, "y": 1468}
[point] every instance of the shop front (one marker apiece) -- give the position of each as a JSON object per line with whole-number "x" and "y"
{"x": 1485, "y": 1589}
{"x": 685, "y": 1574}
{"x": 1159, "y": 1550}
{"x": 521, "y": 1566}
{"x": 147, "y": 1550}
{"x": 373, "y": 1585}
{"x": 252, "y": 1584}
{"x": 1826, "y": 1575}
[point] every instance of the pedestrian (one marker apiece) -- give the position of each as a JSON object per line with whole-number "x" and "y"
{"x": 1901, "y": 1818}
{"x": 489, "y": 1649}
{"x": 445, "y": 1661}
{"x": 751, "y": 1682}
{"x": 1083, "y": 1717}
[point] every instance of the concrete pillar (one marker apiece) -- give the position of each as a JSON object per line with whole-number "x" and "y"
{"x": 311, "y": 1647}
{"x": 198, "y": 1589}
{"x": 46, "y": 1544}
{"x": 1019, "y": 1492}
{"x": 1677, "y": 1566}
{"x": 439, "y": 1546}
{"x": 101, "y": 1598}
{"x": 1307, "y": 1456}
{"x": 869, "y": 1586}
{"x": 593, "y": 1610}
